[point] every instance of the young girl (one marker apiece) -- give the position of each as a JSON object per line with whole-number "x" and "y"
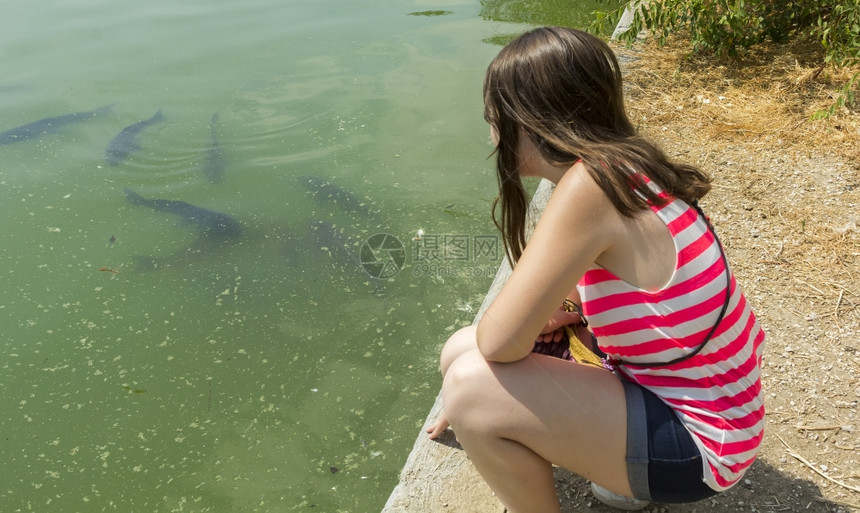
{"x": 622, "y": 245}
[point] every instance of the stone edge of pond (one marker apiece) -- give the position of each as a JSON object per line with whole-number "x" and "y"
{"x": 437, "y": 474}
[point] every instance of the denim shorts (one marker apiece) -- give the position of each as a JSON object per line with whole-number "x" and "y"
{"x": 663, "y": 463}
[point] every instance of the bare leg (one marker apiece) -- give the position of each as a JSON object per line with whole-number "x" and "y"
{"x": 515, "y": 419}
{"x": 462, "y": 341}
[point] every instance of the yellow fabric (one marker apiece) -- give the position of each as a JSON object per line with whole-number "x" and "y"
{"x": 579, "y": 352}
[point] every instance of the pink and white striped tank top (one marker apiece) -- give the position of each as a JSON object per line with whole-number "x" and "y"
{"x": 717, "y": 393}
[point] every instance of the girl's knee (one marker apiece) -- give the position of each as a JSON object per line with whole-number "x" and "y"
{"x": 462, "y": 341}
{"x": 465, "y": 386}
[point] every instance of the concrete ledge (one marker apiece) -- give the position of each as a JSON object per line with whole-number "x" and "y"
{"x": 437, "y": 475}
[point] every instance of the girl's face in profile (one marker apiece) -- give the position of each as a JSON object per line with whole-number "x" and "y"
{"x": 525, "y": 150}
{"x": 528, "y": 156}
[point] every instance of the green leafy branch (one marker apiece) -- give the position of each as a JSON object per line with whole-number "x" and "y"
{"x": 726, "y": 27}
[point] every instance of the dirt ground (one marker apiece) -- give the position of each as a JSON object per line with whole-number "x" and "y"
{"x": 786, "y": 203}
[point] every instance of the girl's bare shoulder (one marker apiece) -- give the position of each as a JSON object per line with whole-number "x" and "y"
{"x": 577, "y": 196}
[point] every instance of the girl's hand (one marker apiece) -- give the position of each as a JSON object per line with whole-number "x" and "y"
{"x": 553, "y": 331}
{"x": 552, "y": 336}
{"x": 438, "y": 428}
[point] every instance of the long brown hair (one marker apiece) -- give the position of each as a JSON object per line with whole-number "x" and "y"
{"x": 563, "y": 88}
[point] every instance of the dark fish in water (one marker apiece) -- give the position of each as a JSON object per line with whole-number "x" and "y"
{"x": 209, "y": 223}
{"x": 214, "y": 166}
{"x": 332, "y": 241}
{"x": 123, "y": 145}
{"x": 49, "y": 125}
{"x": 327, "y": 192}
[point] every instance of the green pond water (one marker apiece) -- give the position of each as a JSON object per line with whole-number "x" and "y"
{"x": 266, "y": 337}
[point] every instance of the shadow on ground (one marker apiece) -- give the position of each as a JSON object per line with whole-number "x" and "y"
{"x": 763, "y": 489}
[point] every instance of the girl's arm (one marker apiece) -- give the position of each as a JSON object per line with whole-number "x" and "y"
{"x": 577, "y": 226}
{"x": 561, "y": 317}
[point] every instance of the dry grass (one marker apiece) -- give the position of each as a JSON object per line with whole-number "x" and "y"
{"x": 765, "y": 98}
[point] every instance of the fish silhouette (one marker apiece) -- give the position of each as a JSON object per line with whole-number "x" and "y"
{"x": 209, "y": 223}
{"x": 326, "y": 192}
{"x": 124, "y": 144}
{"x": 213, "y": 167}
{"x": 49, "y": 125}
